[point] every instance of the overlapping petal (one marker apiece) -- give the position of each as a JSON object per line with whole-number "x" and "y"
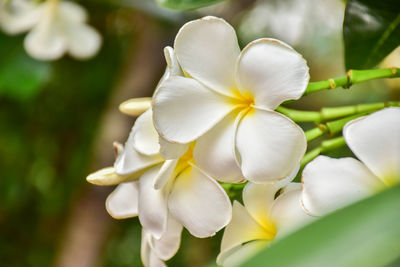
{"x": 83, "y": 41}
{"x": 18, "y": 16}
{"x": 214, "y": 152}
{"x": 152, "y": 204}
{"x": 123, "y": 201}
{"x": 199, "y": 203}
{"x": 270, "y": 145}
{"x": 165, "y": 173}
{"x": 272, "y": 72}
{"x": 241, "y": 229}
{"x": 238, "y": 255}
{"x": 207, "y": 50}
{"x": 329, "y": 184}
{"x": 375, "y": 140}
{"x": 170, "y": 150}
{"x": 145, "y": 136}
{"x": 184, "y": 109}
{"x": 147, "y": 254}
{"x": 287, "y": 213}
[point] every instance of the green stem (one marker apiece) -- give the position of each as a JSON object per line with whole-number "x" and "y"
{"x": 326, "y": 146}
{"x": 326, "y": 114}
{"x": 352, "y": 77}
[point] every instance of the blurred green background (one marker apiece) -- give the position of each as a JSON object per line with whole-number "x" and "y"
{"x": 58, "y": 121}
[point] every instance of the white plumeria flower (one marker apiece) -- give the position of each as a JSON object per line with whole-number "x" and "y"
{"x": 329, "y": 184}
{"x": 122, "y": 203}
{"x": 261, "y": 220}
{"x": 57, "y": 27}
{"x": 226, "y": 103}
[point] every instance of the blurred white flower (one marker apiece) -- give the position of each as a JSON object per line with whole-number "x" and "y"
{"x": 56, "y": 27}
{"x": 329, "y": 184}
{"x": 226, "y": 103}
{"x": 261, "y": 220}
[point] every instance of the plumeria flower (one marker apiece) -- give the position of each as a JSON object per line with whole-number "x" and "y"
{"x": 226, "y": 103}
{"x": 261, "y": 220}
{"x": 56, "y": 27}
{"x": 123, "y": 203}
{"x": 176, "y": 187}
{"x": 329, "y": 184}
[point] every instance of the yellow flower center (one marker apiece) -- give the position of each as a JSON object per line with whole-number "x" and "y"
{"x": 184, "y": 160}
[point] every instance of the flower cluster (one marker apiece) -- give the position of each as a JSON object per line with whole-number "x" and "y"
{"x": 55, "y": 28}
{"x": 212, "y": 120}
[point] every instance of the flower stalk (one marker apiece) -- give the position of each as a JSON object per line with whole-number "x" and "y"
{"x": 352, "y": 77}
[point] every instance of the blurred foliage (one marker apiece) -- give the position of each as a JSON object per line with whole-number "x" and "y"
{"x": 187, "y": 4}
{"x": 371, "y": 30}
{"x": 364, "y": 234}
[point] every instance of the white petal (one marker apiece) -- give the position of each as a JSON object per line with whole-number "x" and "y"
{"x": 238, "y": 255}
{"x": 214, "y": 152}
{"x": 123, "y": 201}
{"x": 167, "y": 246}
{"x": 272, "y": 72}
{"x": 286, "y": 212}
{"x": 207, "y": 49}
{"x": 152, "y": 204}
{"x": 145, "y": 136}
{"x": 199, "y": 203}
{"x": 184, "y": 109}
{"x": 45, "y": 41}
{"x": 165, "y": 173}
{"x": 375, "y": 140}
{"x": 108, "y": 176}
{"x": 148, "y": 256}
{"x": 172, "y": 62}
{"x": 270, "y": 146}
{"x": 241, "y": 229}
{"x": 257, "y": 199}
{"x": 83, "y": 41}
{"x": 18, "y": 16}
{"x": 131, "y": 161}
{"x": 170, "y": 150}
{"x": 329, "y": 184}
{"x": 72, "y": 11}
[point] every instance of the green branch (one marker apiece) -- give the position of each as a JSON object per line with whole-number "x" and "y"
{"x": 326, "y": 114}
{"x": 326, "y": 146}
{"x": 352, "y": 77}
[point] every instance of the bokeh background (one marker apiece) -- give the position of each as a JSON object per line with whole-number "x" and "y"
{"x": 58, "y": 121}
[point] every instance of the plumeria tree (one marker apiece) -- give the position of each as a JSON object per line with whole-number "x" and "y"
{"x": 220, "y": 146}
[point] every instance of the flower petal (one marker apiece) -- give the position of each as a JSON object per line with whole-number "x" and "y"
{"x": 214, "y": 152}
{"x": 241, "y": 229}
{"x": 238, "y": 255}
{"x": 207, "y": 49}
{"x": 199, "y": 203}
{"x": 152, "y": 204}
{"x": 130, "y": 161}
{"x": 145, "y": 136}
{"x": 272, "y": 72}
{"x": 135, "y": 106}
{"x": 170, "y": 150}
{"x": 83, "y": 41}
{"x": 165, "y": 173}
{"x": 148, "y": 256}
{"x": 184, "y": 109}
{"x": 375, "y": 140}
{"x": 18, "y": 16}
{"x": 167, "y": 246}
{"x": 123, "y": 201}
{"x": 173, "y": 66}
{"x": 286, "y": 212}
{"x": 270, "y": 146}
{"x": 45, "y": 41}
{"x": 257, "y": 199}
{"x": 329, "y": 184}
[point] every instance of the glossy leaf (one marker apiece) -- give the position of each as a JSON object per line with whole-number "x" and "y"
{"x": 371, "y": 30}
{"x": 187, "y": 4}
{"x": 365, "y": 234}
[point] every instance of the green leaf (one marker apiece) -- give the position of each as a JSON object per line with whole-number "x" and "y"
{"x": 371, "y": 30}
{"x": 365, "y": 234}
{"x": 21, "y": 77}
{"x": 187, "y": 4}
